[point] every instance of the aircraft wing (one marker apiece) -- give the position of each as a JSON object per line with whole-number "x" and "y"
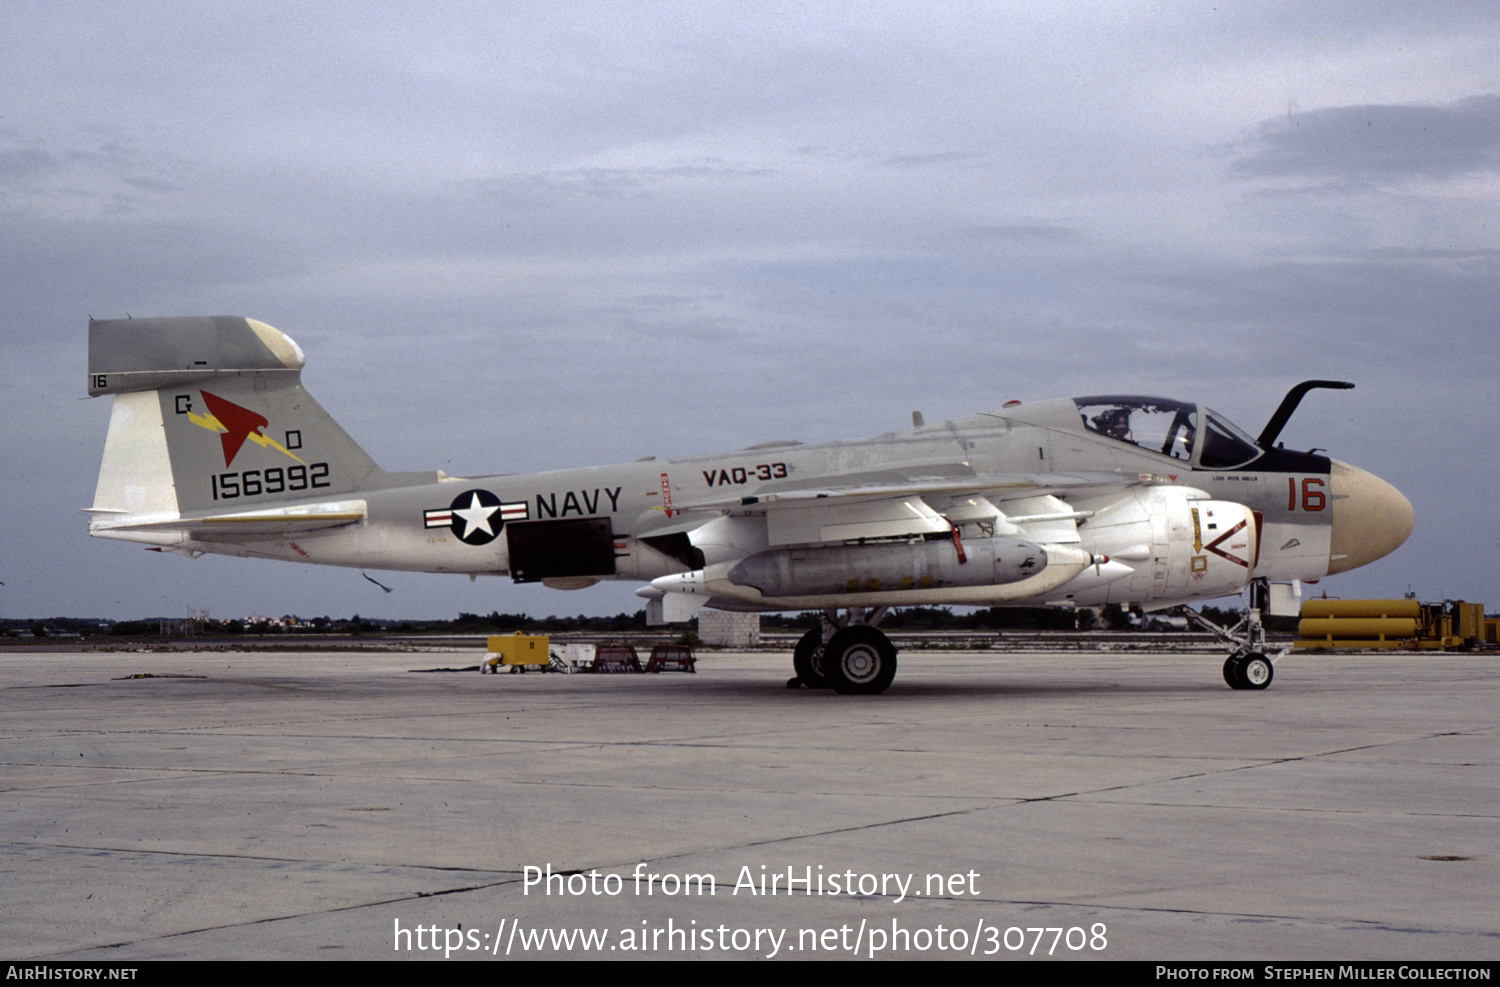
{"x": 996, "y": 486}
{"x": 849, "y": 508}
{"x": 918, "y": 501}
{"x": 833, "y": 538}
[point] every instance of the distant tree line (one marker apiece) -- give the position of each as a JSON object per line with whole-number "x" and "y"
{"x": 1108, "y": 617}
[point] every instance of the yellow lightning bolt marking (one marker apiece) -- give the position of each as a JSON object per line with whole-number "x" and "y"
{"x": 214, "y": 425}
{"x": 1197, "y": 532}
{"x": 262, "y": 441}
{"x": 206, "y": 421}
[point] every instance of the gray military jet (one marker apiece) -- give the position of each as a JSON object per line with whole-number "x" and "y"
{"x": 1149, "y": 502}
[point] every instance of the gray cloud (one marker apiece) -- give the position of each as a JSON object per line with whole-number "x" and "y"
{"x": 25, "y": 162}
{"x": 1376, "y": 142}
{"x": 931, "y": 159}
{"x": 1025, "y": 233}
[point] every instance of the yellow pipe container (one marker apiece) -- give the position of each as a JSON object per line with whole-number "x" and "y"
{"x": 1361, "y": 608}
{"x": 1356, "y": 627}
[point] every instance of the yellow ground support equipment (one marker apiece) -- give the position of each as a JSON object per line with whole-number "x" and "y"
{"x": 1357, "y": 623}
{"x": 517, "y": 650}
{"x": 1328, "y": 624}
{"x": 1469, "y": 622}
{"x": 1439, "y": 623}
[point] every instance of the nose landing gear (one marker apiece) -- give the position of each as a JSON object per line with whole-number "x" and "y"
{"x": 1248, "y": 665}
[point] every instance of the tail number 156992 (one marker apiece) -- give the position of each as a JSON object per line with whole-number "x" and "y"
{"x": 277, "y": 479}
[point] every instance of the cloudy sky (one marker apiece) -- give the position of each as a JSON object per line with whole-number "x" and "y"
{"x": 515, "y": 237}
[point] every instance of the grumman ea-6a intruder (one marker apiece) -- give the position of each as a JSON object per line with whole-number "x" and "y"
{"x": 1147, "y": 502}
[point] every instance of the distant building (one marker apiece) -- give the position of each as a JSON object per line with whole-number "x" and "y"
{"x": 282, "y": 621}
{"x": 178, "y": 628}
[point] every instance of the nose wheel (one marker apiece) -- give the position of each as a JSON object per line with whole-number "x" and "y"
{"x": 1248, "y": 671}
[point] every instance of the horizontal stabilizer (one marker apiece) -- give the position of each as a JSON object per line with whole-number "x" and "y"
{"x": 291, "y": 520}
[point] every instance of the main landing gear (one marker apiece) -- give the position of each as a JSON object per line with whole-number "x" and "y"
{"x": 846, "y": 654}
{"x": 1248, "y": 666}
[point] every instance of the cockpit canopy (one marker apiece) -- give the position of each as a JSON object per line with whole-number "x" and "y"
{"x": 1171, "y": 428}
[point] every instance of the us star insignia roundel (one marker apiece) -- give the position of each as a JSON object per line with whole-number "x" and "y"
{"x": 476, "y": 516}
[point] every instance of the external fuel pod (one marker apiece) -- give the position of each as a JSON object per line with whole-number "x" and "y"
{"x": 872, "y": 568}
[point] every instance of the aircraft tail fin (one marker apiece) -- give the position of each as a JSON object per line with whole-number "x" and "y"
{"x": 210, "y": 415}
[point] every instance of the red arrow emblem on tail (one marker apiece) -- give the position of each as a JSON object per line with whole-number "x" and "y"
{"x": 239, "y": 423}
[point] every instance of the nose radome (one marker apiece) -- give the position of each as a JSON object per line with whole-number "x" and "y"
{"x": 1371, "y": 518}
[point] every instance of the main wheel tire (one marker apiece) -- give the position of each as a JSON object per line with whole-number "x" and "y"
{"x": 859, "y": 660}
{"x": 807, "y": 659}
{"x": 1232, "y": 672}
{"x": 1256, "y": 671}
